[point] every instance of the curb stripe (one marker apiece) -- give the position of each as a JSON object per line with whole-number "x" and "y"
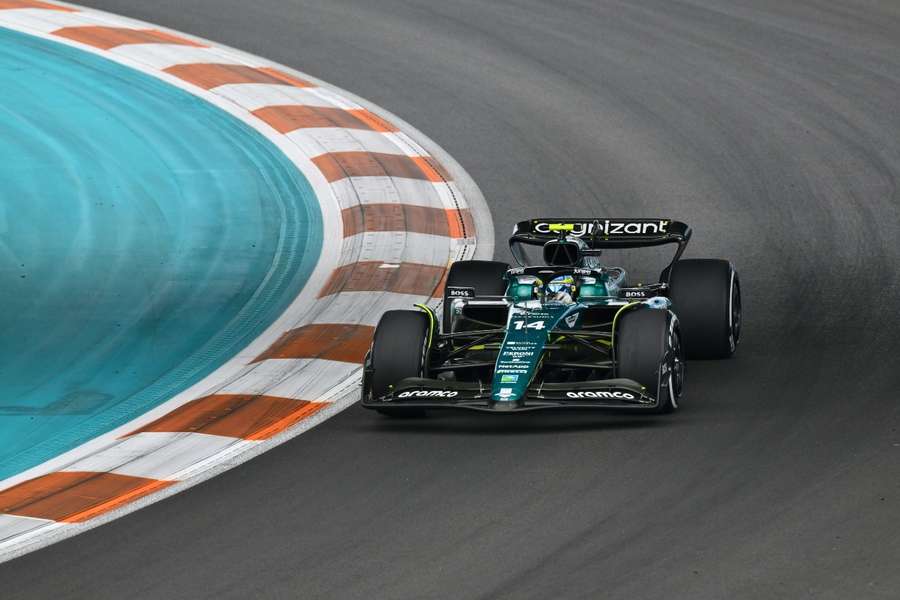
{"x": 155, "y": 455}
{"x": 329, "y": 341}
{"x": 74, "y": 496}
{"x": 253, "y": 96}
{"x": 364, "y": 191}
{"x": 335, "y": 140}
{"x": 212, "y": 75}
{"x": 374, "y": 276}
{"x": 340, "y": 165}
{"x": 296, "y": 378}
{"x": 158, "y": 57}
{"x": 284, "y": 77}
{"x": 285, "y": 119}
{"x": 354, "y": 307}
{"x": 396, "y": 247}
{"x": 462, "y": 224}
{"x": 234, "y": 415}
{"x": 106, "y": 38}
{"x": 12, "y": 526}
{"x": 15, "y": 4}
{"x": 404, "y": 217}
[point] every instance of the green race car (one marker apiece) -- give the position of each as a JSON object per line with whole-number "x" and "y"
{"x": 568, "y": 333}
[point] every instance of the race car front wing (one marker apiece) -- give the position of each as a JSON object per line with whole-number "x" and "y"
{"x": 608, "y": 394}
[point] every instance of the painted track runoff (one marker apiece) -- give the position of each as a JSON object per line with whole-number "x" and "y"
{"x": 152, "y": 235}
{"x": 396, "y": 211}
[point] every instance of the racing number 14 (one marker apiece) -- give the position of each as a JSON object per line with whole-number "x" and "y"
{"x": 519, "y": 325}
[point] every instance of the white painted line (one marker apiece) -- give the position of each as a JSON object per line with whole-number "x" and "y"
{"x": 45, "y": 21}
{"x": 356, "y": 307}
{"x": 253, "y": 96}
{"x": 400, "y": 246}
{"x": 322, "y": 140}
{"x": 163, "y": 56}
{"x": 155, "y": 455}
{"x": 353, "y": 191}
{"x": 297, "y": 378}
{"x": 12, "y": 526}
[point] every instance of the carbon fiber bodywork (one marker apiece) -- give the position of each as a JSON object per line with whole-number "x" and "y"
{"x": 549, "y": 342}
{"x": 612, "y": 394}
{"x": 501, "y": 355}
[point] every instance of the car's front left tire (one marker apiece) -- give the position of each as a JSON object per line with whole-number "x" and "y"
{"x": 399, "y": 350}
{"x": 647, "y": 346}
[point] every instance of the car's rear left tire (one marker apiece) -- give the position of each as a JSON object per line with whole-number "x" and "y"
{"x": 399, "y": 351}
{"x": 647, "y": 347}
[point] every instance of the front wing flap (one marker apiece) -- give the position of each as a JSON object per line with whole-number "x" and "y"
{"x": 608, "y": 394}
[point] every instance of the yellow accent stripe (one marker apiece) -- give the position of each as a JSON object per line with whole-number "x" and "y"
{"x": 432, "y": 321}
{"x": 612, "y": 337}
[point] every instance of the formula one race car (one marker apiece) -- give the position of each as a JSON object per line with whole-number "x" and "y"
{"x": 568, "y": 334}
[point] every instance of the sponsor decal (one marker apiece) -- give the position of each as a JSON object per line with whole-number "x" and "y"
{"x": 520, "y": 325}
{"x": 428, "y": 394}
{"x": 615, "y": 395}
{"x": 509, "y": 378}
{"x": 605, "y": 227}
{"x": 635, "y": 293}
{"x": 571, "y": 320}
{"x": 505, "y": 393}
{"x": 460, "y": 292}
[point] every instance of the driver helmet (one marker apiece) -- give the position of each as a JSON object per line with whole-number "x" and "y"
{"x": 562, "y": 289}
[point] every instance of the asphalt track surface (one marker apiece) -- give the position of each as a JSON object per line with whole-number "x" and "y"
{"x": 771, "y": 127}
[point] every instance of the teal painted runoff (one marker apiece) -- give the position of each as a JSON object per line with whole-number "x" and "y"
{"x": 146, "y": 236}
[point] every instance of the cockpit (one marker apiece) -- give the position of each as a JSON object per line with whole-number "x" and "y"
{"x": 569, "y": 252}
{"x": 564, "y": 285}
{"x": 573, "y": 271}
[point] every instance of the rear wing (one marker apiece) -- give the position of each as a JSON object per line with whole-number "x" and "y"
{"x": 600, "y": 233}
{"x": 603, "y": 233}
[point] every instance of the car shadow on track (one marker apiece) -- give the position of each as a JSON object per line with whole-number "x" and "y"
{"x": 466, "y": 423}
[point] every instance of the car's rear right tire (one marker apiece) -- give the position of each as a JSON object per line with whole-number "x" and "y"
{"x": 399, "y": 350}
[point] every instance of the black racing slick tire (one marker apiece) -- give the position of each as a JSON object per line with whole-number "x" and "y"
{"x": 399, "y": 350}
{"x": 648, "y": 350}
{"x": 485, "y": 277}
{"x": 706, "y": 296}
